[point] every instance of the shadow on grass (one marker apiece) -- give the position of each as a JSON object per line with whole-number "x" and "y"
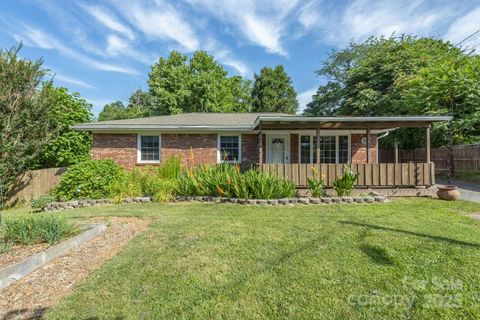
{"x": 377, "y": 254}
{"x": 418, "y": 234}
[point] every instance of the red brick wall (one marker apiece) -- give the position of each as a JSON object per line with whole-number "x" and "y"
{"x": 120, "y": 147}
{"x": 194, "y": 149}
{"x": 359, "y": 150}
{"x": 249, "y": 148}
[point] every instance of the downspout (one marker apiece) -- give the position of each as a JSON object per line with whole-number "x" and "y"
{"x": 380, "y": 137}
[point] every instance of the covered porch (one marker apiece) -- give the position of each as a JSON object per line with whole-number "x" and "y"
{"x": 344, "y": 142}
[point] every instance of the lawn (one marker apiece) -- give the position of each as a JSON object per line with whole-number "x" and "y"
{"x": 406, "y": 259}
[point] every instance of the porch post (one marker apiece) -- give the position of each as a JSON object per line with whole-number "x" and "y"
{"x": 396, "y": 151}
{"x": 427, "y": 143}
{"x": 260, "y": 147}
{"x": 317, "y": 145}
{"x": 368, "y": 145}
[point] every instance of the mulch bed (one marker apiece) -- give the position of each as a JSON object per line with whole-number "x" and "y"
{"x": 20, "y": 252}
{"x": 32, "y": 295}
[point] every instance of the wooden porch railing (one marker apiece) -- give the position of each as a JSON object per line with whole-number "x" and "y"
{"x": 371, "y": 175}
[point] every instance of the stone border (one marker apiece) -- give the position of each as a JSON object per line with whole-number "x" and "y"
{"x": 59, "y": 206}
{"x": 288, "y": 201}
{"x": 20, "y": 269}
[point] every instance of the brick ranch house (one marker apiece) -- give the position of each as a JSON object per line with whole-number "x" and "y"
{"x": 259, "y": 139}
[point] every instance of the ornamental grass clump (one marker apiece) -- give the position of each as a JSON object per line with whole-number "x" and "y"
{"x": 35, "y": 228}
{"x": 344, "y": 184}
{"x": 227, "y": 180}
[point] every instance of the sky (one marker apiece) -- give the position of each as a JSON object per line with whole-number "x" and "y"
{"x": 104, "y": 49}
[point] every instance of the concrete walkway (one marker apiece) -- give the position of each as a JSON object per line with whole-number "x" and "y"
{"x": 468, "y": 190}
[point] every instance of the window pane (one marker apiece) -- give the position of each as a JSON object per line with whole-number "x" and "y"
{"x": 149, "y": 148}
{"x": 229, "y": 148}
{"x": 305, "y": 149}
{"x": 342, "y": 149}
{"x": 327, "y": 149}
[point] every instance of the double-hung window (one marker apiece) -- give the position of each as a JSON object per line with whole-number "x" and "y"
{"x": 333, "y": 149}
{"x": 148, "y": 149}
{"x": 229, "y": 148}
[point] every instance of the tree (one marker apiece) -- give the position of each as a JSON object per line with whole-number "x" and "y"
{"x": 200, "y": 84}
{"x": 25, "y": 123}
{"x": 381, "y": 77}
{"x": 67, "y": 146}
{"x": 113, "y": 111}
{"x": 273, "y": 91}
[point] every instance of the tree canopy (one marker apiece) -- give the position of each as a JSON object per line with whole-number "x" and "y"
{"x": 273, "y": 91}
{"x": 403, "y": 76}
{"x": 198, "y": 84}
{"x": 67, "y": 146}
{"x": 25, "y": 123}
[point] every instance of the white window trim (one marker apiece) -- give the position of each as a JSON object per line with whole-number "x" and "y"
{"x": 219, "y": 156}
{"x": 336, "y": 135}
{"x": 139, "y": 150}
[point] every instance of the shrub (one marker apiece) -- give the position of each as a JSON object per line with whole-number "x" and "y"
{"x": 166, "y": 191}
{"x": 343, "y": 185}
{"x": 36, "y": 229}
{"x": 88, "y": 179}
{"x": 124, "y": 186}
{"x": 42, "y": 202}
{"x": 316, "y": 186}
{"x": 187, "y": 184}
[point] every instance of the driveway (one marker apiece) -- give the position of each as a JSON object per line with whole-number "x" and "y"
{"x": 468, "y": 191}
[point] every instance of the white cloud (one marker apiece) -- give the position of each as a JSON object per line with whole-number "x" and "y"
{"x": 224, "y": 55}
{"x": 463, "y": 27}
{"x": 160, "y": 21}
{"x": 36, "y": 38}
{"x": 304, "y": 98}
{"x": 262, "y": 23}
{"x": 118, "y": 46}
{"x": 74, "y": 81}
{"x": 109, "y": 20}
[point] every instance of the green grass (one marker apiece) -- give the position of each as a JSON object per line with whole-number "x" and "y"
{"x": 207, "y": 261}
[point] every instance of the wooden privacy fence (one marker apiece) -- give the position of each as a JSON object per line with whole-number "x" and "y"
{"x": 466, "y": 158}
{"x": 35, "y": 183}
{"x": 370, "y": 175}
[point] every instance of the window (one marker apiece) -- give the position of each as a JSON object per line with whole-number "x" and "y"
{"x": 333, "y": 149}
{"x": 304, "y": 149}
{"x": 148, "y": 149}
{"x": 328, "y": 149}
{"x": 229, "y": 148}
{"x": 342, "y": 149}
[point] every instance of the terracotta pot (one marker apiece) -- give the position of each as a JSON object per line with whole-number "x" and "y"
{"x": 448, "y": 192}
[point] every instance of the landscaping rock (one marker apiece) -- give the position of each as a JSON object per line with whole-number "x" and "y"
{"x": 336, "y": 199}
{"x": 283, "y": 201}
{"x": 72, "y": 203}
{"x": 251, "y": 201}
{"x": 347, "y": 199}
{"x": 206, "y": 198}
{"x": 273, "y": 202}
{"x": 242, "y": 201}
{"x": 198, "y": 198}
{"x": 358, "y": 199}
{"x": 127, "y": 200}
{"x": 189, "y": 198}
{"x": 224, "y": 199}
{"x": 326, "y": 200}
{"x": 145, "y": 199}
{"x": 303, "y": 200}
{"x": 380, "y": 199}
{"x": 368, "y": 199}
{"x": 262, "y": 202}
{"x": 233, "y": 200}
{"x": 315, "y": 200}
{"x": 293, "y": 200}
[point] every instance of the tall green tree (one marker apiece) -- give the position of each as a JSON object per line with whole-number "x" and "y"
{"x": 273, "y": 91}
{"x": 381, "y": 77}
{"x": 198, "y": 84}
{"x": 67, "y": 146}
{"x": 25, "y": 123}
{"x": 113, "y": 111}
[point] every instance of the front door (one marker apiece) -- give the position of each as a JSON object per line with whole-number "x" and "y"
{"x": 278, "y": 146}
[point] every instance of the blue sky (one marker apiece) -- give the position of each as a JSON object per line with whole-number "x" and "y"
{"x": 104, "y": 49}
